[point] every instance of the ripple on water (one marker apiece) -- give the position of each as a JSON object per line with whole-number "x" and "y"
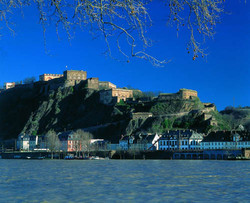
{"x": 123, "y": 181}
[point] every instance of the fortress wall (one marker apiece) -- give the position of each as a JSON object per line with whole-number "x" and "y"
{"x": 106, "y": 85}
{"x": 141, "y": 115}
{"x": 93, "y": 83}
{"x": 47, "y": 77}
{"x": 75, "y": 75}
{"x": 9, "y": 85}
{"x": 122, "y": 94}
{"x": 187, "y": 94}
{"x": 115, "y": 95}
{"x": 164, "y": 96}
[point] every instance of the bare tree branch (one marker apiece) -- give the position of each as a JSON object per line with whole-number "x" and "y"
{"x": 127, "y": 20}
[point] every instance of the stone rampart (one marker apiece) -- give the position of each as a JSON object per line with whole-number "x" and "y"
{"x": 181, "y": 94}
{"x": 47, "y": 77}
{"x": 141, "y": 115}
{"x": 106, "y": 85}
{"x": 187, "y": 94}
{"x": 115, "y": 95}
{"x": 122, "y": 94}
{"x": 168, "y": 96}
{"x": 74, "y": 76}
{"x": 93, "y": 83}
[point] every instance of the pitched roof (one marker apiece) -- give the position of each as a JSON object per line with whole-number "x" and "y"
{"x": 182, "y": 133}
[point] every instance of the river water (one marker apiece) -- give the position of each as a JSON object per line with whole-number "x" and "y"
{"x": 124, "y": 181}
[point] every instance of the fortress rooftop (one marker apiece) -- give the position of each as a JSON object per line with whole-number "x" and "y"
{"x": 184, "y": 89}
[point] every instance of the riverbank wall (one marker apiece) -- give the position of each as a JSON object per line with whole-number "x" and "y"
{"x": 119, "y": 154}
{"x": 56, "y": 155}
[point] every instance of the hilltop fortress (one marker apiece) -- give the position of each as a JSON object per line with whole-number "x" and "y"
{"x": 71, "y": 101}
{"x": 109, "y": 93}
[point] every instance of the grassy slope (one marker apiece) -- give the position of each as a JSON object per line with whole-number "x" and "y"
{"x": 48, "y": 106}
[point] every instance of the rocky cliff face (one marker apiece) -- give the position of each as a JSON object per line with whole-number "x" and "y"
{"x": 37, "y": 108}
{"x": 16, "y": 106}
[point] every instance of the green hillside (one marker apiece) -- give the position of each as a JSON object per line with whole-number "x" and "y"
{"x": 42, "y": 106}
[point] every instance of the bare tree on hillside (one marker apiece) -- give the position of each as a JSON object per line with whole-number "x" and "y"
{"x": 52, "y": 142}
{"x": 124, "y": 20}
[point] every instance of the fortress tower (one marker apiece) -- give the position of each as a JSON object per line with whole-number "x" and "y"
{"x": 187, "y": 94}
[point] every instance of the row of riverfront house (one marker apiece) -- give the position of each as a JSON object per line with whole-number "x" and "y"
{"x": 172, "y": 140}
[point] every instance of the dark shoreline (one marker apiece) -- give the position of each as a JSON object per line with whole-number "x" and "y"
{"x": 143, "y": 155}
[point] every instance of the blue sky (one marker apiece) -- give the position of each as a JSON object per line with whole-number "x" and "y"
{"x": 224, "y": 75}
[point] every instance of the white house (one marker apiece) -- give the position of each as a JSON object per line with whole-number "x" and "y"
{"x": 139, "y": 142}
{"x": 23, "y": 142}
{"x": 180, "y": 140}
{"x": 29, "y": 142}
{"x": 42, "y": 145}
{"x": 226, "y": 140}
{"x": 195, "y": 141}
{"x": 33, "y": 142}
